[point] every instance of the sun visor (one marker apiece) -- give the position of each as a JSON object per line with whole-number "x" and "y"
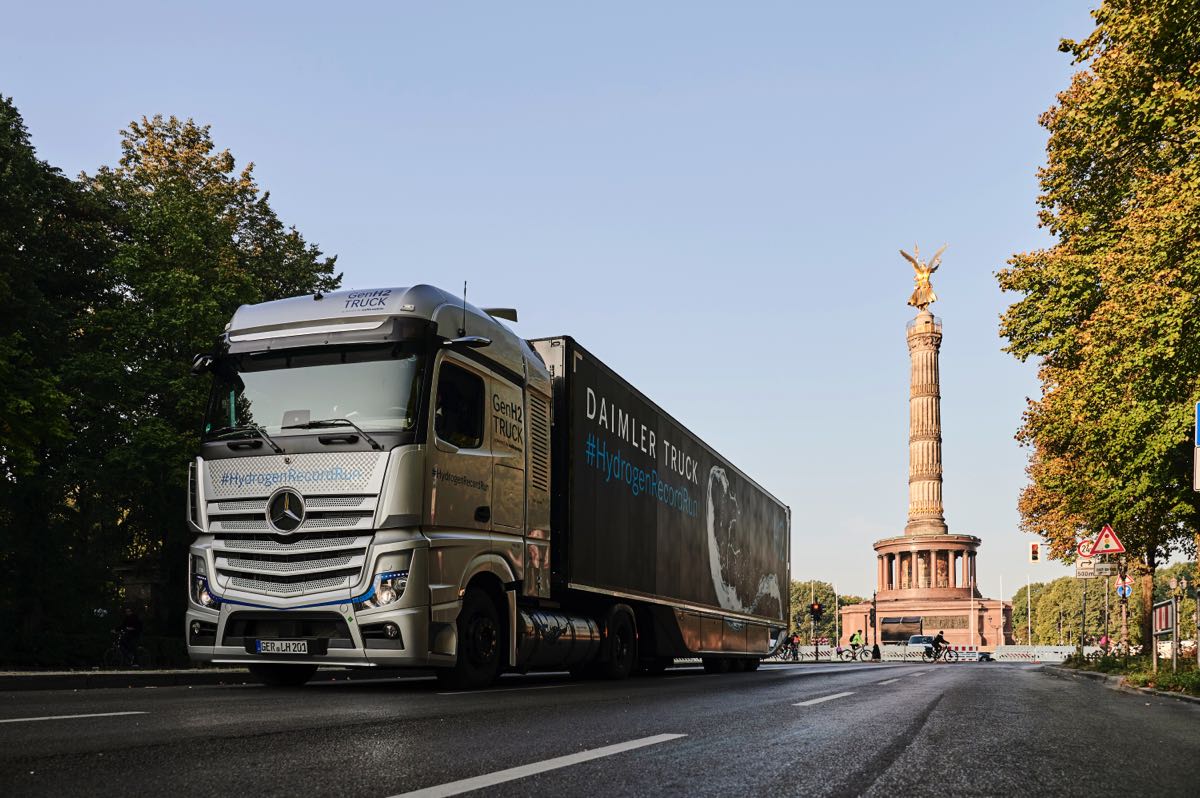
{"x": 325, "y": 332}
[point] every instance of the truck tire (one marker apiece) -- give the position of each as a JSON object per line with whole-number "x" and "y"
{"x": 752, "y": 664}
{"x": 283, "y": 675}
{"x": 480, "y": 644}
{"x": 715, "y": 664}
{"x": 620, "y": 645}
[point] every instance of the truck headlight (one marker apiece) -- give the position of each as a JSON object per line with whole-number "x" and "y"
{"x": 387, "y": 589}
{"x": 200, "y": 592}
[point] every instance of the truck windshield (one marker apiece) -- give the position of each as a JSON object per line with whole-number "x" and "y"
{"x": 376, "y": 388}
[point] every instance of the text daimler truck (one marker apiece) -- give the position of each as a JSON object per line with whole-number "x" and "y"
{"x": 394, "y": 478}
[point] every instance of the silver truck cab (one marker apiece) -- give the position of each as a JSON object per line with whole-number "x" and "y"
{"x": 368, "y": 457}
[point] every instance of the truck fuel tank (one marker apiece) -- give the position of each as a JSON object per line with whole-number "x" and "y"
{"x": 548, "y": 639}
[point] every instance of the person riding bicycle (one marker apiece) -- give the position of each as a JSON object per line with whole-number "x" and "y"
{"x": 857, "y": 641}
{"x": 939, "y": 644}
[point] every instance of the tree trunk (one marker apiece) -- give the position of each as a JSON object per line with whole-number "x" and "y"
{"x": 1147, "y": 603}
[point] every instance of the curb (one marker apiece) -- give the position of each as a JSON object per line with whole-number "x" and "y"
{"x": 1117, "y": 683}
{"x": 93, "y": 680}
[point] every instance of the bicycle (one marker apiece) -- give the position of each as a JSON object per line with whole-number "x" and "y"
{"x": 860, "y": 653}
{"x": 117, "y": 656}
{"x": 945, "y": 655}
{"x": 788, "y": 651}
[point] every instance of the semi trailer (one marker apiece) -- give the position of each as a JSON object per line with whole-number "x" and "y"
{"x": 393, "y": 477}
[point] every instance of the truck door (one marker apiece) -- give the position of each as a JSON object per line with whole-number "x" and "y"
{"x": 507, "y": 411}
{"x": 460, "y": 475}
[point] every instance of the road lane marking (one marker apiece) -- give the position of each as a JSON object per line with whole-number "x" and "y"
{"x": 812, "y": 701}
{"x": 69, "y": 717}
{"x": 890, "y": 681}
{"x": 511, "y": 774}
{"x": 507, "y": 689}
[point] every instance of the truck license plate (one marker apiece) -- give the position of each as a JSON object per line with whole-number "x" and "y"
{"x": 281, "y": 646}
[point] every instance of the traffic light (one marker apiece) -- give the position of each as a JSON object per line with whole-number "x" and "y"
{"x": 1035, "y": 552}
{"x": 815, "y": 609}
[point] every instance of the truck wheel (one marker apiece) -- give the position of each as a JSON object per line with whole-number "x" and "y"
{"x": 715, "y": 665}
{"x": 620, "y": 646}
{"x": 751, "y": 664}
{"x": 480, "y": 643}
{"x": 283, "y": 675}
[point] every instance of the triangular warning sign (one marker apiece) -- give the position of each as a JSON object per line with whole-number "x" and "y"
{"x": 1107, "y": 542}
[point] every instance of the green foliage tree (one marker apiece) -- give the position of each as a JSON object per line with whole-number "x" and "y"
{"x": 53, "y": 253}
{"x": 180, "y": 240}
{"x": 1109, "y": 309}
{"x": 802, "y": 593}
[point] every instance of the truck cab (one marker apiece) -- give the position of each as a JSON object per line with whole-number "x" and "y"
{"x": 371, "y": 462}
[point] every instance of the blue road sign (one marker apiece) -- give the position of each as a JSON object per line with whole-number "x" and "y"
{"x": 1124, "y": 591}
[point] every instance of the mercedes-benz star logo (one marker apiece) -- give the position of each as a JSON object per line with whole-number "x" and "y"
{"x": 285, "y": 511}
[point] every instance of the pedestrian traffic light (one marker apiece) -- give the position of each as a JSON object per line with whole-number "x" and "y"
{"x": 1035, "y": 552}
{"x": 815, "y": 609}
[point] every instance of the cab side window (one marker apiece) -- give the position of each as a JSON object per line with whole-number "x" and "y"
{"x": 458, "y": 414}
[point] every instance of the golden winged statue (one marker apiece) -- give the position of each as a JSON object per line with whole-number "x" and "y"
{"x": 923, "y": 296}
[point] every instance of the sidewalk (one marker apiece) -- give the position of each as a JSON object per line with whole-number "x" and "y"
{"x": 94, "y": 679}
{"x": 1116, "y": 682}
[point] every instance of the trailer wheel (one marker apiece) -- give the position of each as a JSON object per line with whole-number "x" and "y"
{"x": 715, "y": 664}
{"x": 620, "y": 645}
{"x": 480, "y": 643}
{"x": 752, "y": 664}
{"x": 283, "y": 675}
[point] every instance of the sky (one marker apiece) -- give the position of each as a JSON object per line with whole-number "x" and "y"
{"x": 708, "y": 196}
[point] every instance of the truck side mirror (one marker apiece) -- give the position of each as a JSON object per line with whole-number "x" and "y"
{"x": 469, "y": 341}
{"x": 202, "y": 364}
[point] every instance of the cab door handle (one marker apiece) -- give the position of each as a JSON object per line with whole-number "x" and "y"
{"x": 483, "y": 514}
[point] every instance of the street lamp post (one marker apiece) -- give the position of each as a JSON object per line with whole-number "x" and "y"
{"x": 1178, "y": 590}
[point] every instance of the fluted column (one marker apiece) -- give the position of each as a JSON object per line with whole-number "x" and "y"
{"x": 925, "y": 511}
{"x": 952, "y": 564}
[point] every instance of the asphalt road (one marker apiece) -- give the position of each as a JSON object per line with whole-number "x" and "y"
{"x": 863, "y": 729}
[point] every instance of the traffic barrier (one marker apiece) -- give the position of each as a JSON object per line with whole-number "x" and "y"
{"x": 1038, "y": 653}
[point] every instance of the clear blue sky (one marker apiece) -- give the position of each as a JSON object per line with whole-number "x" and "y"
{"x": 710, "y": 196}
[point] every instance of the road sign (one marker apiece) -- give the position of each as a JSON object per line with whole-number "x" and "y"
{"x": 1107, "y": 542}
{"x": 1124, "y": 591}
{"x": 1085, "y": 548}
{"x": 1085, "y": 569}
{"x": 1106, "y": 569}
{"x": 1126, "y": 581}
{"x": 1163, "y": 617}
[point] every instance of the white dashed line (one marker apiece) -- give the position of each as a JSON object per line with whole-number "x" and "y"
{"x": 889, "y": 681}
{"x": 70, "y": 717}
{"x": 822, "y": 699}
{"x": 501, "y": 776}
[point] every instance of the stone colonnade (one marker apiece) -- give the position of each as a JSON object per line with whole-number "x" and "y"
{"x": 929, "y": 568}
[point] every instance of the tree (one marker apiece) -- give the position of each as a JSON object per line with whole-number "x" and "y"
{"x": 112, "y": 284}
{"x": 802, "y": 595}
{"x": 194, "y": 239}
{"x": 53, "y": 252}
{"x": 1109, "y": 308}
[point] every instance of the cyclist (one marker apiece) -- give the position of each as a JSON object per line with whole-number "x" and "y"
{"x": 857, "y": 641}
{"x": 939, "y": 644}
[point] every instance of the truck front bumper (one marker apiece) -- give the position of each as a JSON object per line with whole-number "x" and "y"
{"x": 335, "y": 636}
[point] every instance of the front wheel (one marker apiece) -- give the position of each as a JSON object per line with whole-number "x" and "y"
{"x": 864, "y": 655}
{"x": 950, "y": 655}
{"x": 480, "y": 642}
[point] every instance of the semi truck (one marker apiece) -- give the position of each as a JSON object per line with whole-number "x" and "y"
{"x": 393, "y": 477}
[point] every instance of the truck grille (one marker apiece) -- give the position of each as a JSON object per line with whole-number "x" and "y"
{"x": 291, "y": 565}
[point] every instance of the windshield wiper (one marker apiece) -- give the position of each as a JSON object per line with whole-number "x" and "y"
{"x": 256, "y": 429}
{"x": 336, "y": 422}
